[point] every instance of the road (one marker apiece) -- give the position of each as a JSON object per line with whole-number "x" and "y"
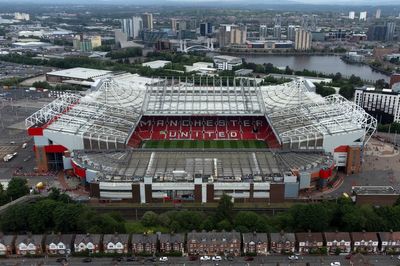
{"x": 261, "y": 260}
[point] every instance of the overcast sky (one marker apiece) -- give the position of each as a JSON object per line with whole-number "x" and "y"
{"x": 224, "y": 2}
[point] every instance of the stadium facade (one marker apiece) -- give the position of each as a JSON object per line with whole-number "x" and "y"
{"x": 153, "y": 140}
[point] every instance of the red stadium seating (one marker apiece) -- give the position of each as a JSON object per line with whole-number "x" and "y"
{"x": 203, "y": 128}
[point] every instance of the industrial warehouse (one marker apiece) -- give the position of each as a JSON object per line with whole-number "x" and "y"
{"x": 150, "y": 140}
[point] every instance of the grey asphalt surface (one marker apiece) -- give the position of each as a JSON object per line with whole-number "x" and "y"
{"x": 260, "y": 260}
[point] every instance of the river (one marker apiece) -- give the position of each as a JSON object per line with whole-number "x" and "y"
{"x": 328, "y": 64}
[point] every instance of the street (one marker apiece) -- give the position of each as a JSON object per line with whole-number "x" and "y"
{"x": 260, "y": 260}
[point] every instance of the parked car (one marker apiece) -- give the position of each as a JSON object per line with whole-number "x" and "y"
{"x": 131, "y": 259}
{"x": 163, "y": 259}
{"x": 193, "y": 258}
{"x": 216, "y": 258}
{"x": 205, "y": 258}
{"x": 248, "y": 258}
{"x": 87, "y": 260}
{"x": 293, "y": 257}
{"x": 348, "y": 256}
{"x": 62, "y": 259}
{"x": 336, "y": 263}
{"x": 119, "y": 259}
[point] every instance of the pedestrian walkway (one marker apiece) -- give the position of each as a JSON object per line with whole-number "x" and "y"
{"x": 79, "y": 190}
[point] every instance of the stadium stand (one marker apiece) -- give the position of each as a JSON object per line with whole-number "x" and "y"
{"x": 203, "y": 128}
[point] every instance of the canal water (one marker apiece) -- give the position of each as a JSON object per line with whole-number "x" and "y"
{"x": 328, "y": 64}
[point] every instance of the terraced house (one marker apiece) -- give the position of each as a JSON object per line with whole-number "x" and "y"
{"x": 87, "y": 242}
{"x": 282, "y": 243}
{"x": 309, "y": 243}
{"x": 115, "y": 243}
{"x": 255, "y": 243}
{"x": 214, "y": 243}
{"x": 172, "y": 243}
{"x": 144, "y": 243}
{"x": 338, "y": 242}
{"x": 390, "y": 242}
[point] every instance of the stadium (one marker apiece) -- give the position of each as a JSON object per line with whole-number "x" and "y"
{"x": 150, "y": 140}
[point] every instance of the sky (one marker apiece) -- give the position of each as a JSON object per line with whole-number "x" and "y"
{"x": 233, "y": 2}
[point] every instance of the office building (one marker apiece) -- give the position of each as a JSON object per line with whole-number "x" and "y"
{"x": 263, "y": 32}
{"x": 384, "y": 104}
{"x": 363, "y": 16}
{"x": 314, "y": 22}
{"x": 352, "y": 15}
{"x": 126, "y": 26}
{"x": 302, "y": 40}
{"x": 291, "y": 32}
{"x": 390, "y": 29}
{"x": 95, "y": 41}
{"x": 137, "y": 26}
{"x": 226, "y": 62}
{"x": 178, "y": 25}
{"x": 21, "y": 16}
{"x": 232, "y": 34}
{"x": 376, "y": 33}
{"x": 86, "y": 44}
{"x": 278, "y": 20}
{"x": 147, "y": 21}
{"x": 395, "y": 82}
{"x": 382, "y": 32}
{"x": 205, "y": 29}
{"x": 304, "y": 22}
{"x": 378, "y": 13}
{"x": 277, "y": 32}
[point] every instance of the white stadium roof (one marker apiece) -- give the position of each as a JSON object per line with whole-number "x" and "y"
{"x": 109, "y": 113}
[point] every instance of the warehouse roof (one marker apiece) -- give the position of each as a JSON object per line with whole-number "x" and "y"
{"x": 80, "y": 73}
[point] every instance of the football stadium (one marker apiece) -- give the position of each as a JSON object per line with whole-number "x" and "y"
{"x": 150, "y": 140}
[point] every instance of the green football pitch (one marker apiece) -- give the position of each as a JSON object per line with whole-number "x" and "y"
{"x": 204, "y": 144}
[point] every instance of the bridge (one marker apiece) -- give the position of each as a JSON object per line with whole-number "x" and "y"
{"x": 183, "y": 46}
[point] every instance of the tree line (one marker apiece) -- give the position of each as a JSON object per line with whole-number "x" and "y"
{"x": 59, "y": 213}
{"x": 16, "y": 188}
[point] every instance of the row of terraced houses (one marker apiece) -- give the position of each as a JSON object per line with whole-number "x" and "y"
{"x": 202, "y": 243}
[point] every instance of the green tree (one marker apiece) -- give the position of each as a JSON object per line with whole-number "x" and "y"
{"x": 42, "y": 85}
{"x": 347, "y": 91}
{"x": 40, "y": 217}
{"x": 66, "y": 217}
{"x": 314, "y": 217}
{"x": 150, "y": 219}
{"x": 224, "y": 210}
{"x": 17, "y": 187}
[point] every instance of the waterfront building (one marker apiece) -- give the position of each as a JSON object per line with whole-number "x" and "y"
{"x": 226, "y": 62}
{"x": 205, "y": 29}
{"x": 232, "y": 34}
{"x": 277, "y": 32}
{"x": 383, "y": 104}
{"x": 291, "y": 32}
{"x": 302, "y": 40}
{"x": 263, "y": 31}
{"x": 395, "y": 82}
